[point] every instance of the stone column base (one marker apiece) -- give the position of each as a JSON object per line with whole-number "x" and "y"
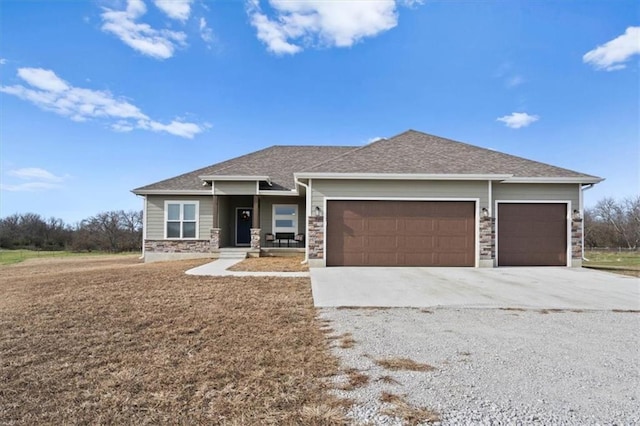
{"x": 215, "y": 239}
{"x": 255, "y": 238}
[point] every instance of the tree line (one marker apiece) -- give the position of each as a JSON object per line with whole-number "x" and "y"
{"x": 113, "y": 231}
{"x": 613, "y": 224}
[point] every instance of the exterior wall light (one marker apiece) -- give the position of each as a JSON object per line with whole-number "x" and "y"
{"x": 485, "y": 212}
{"x": 318, "y": 211}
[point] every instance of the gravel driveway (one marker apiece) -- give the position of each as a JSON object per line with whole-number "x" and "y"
{"x": 495, "y": 366}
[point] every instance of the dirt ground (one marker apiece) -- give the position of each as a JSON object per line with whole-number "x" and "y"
{"x": 111, "y": 340}
{"x": 271, "y": 264}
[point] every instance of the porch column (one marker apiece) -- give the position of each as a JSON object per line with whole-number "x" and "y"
{"x": 214, "y": 239}
{"x": 255, "y": 224}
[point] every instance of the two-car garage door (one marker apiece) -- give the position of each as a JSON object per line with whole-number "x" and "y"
{"x": 441, "y": 233}
{"x": 400, "y": 233}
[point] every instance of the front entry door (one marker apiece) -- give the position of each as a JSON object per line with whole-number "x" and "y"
{"x": 244, "y": 217}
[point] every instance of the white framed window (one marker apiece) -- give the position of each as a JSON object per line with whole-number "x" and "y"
{"x": 181, "y": 219}
{"x": 285, "y": 218}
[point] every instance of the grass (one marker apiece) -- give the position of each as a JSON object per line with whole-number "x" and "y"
{"x": 395, "y": 364}
{"x": 347, "y": 341}
{"x": 409, "y": 414}
{"x": 113, "y": 341}
{"x": 624, "y": 262}
{"x": 8, "y": 257}
{"x": 355, "y": 379}
{"x": 271, "y": 264}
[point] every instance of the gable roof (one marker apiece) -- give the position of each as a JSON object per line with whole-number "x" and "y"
{"x": 409, "y": 153}
{"x": 278, "y": 162}
{"x": 414, "y": 152}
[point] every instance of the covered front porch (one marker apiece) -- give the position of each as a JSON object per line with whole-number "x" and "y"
{"x": 272, "y": 225}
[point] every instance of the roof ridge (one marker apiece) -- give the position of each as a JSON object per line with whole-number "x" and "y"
{"x": 503, "y": 154}
{"x": 347, "y": 153}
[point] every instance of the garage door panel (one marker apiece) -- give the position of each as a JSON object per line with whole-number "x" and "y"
{"x": 386, "y": 226}
{"x": 395, "y": 233}
{"x": 532, "y": 234}
{"x": 454, "y": 259}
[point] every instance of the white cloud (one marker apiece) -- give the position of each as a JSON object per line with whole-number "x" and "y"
{"x": 175, "y": 9}
{"x": 518, "y": 119}
{"x": 35, "y": 173}
{"x": 29, "y": 186}
{"x": 3, "y": 61}
{"x": 51, "y": 93}
{"x": 37, "y": 180}
{"x": 205, "y": 32}
{"x": 514, "y": 81}
{"x": 159, "y": 44}
{"x": 297, "y": 24}
{"x": 613, "y": 54}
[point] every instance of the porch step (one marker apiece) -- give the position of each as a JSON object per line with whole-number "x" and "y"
{"x": 233, "y": 253}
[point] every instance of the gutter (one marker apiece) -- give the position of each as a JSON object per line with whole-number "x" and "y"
{"x": 306, "y": 220}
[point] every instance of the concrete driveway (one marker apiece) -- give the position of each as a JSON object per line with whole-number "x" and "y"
{"x": 533, "y": 288}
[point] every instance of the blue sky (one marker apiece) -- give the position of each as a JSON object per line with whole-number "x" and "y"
{"x": 100, "y": 97}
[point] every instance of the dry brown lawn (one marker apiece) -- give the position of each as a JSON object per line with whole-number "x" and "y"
{"x": 396, "y": 364}
{"x": 271, "y": 264}
{"x": 113, "y": 341}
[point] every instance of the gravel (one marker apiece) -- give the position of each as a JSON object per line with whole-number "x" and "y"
{"x": 495, "y": 367}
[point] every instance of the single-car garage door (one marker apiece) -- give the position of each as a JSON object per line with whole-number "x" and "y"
{"x": 400, "y": 233}
{"x": 533, "y": 234}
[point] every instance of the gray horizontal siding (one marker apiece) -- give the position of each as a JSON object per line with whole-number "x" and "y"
{"x": 397, "y": 189}
{"x": 155, "y": 215}
{"x": 234, "y": 187}
{"x": 537, "y": 192}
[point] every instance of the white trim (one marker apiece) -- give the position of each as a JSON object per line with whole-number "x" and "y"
{"x": 553, "y": 180}
{"x": 236, "y": 227}
{"x": 569, "y": 212}
{"x": 490, "y": 195}
{"x": 144, "y": 222}
{"x": 307, "y": 213}
{"x": 402, "y": 176}
{"x": 235, "y": 177}
{"x": 181, "y": 221}
{"x": 295, "y": 220}
{"x": 471, "y": 199}
{"x": 279, "y": 193}
{"x": 171, "y": 192}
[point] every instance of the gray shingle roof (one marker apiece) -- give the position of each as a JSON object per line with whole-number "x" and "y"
{"x": 277, "y": 162}
{"x": 414, "y": 152}
{"x": 411, "y": 152}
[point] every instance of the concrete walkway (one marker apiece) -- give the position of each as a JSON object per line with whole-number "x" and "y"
{"x": 532, "y": 288}
{"x": 218, "y": 268}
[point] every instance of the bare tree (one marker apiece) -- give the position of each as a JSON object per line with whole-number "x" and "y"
{"x": 611, "y": 223}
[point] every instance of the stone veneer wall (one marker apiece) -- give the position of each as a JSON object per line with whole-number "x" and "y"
{"x": 487, "y": 238}
{"x": 215, "y": 238}
{"x": 316, "y": 237}
{"x": 576, "y": 238}
{"x": 177, "y": 246}
{"x": 255, "y": 238}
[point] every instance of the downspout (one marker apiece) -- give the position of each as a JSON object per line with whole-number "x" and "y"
{"x": 582, "y": 189}
{"x": 306, "y": 220}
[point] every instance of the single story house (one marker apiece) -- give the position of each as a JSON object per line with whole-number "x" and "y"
{"x": 411, "y": 200}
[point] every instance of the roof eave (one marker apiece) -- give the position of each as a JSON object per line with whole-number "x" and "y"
{"x": 576, "y": 179}
{"x": 402, "y": 176}
{"x": 170, "y": 192}
{"x": 233, "y": 177}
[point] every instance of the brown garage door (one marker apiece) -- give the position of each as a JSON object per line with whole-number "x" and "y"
{"x": 400, "y": 233}
{"x": 532, "y": 234}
